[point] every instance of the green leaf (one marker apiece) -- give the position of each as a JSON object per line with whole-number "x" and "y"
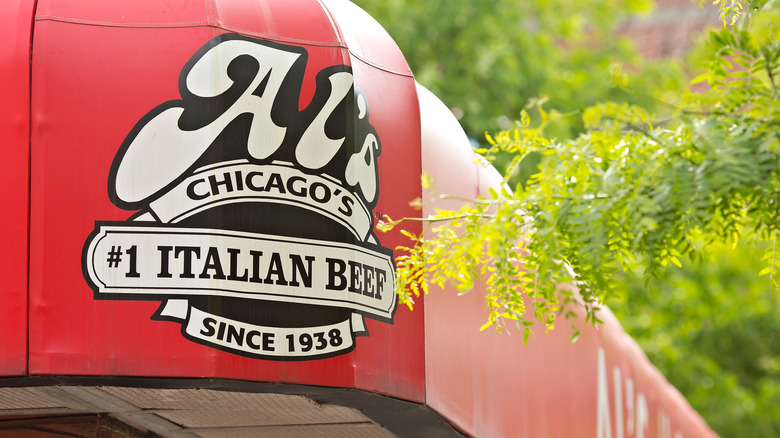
{"x": 700, "y": 78}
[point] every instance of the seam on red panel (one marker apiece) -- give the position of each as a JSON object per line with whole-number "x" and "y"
{"x": 210, "y": 19}
{"x": 29, "y": 185}
{"x": 343, "y": 42}
{"x": 333, "y": 25}
{"x": 118, "y": 24}
{"x": 201, "y": 24}
{"x": 283, "y": 39}
{"x": 422, "y": 230}
{"x": 379, "y": 67}
{"x": 214, "y": 13}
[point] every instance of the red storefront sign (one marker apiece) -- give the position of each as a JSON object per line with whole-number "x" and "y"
{"x": 200, "y": 183}
{"x": 16, "y": 29}
{"x": 204, "y": 195}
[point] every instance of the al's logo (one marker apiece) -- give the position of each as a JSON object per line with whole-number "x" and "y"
{"x": 254, "y": 222}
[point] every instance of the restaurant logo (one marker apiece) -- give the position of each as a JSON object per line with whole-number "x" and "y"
{"x": 254, "y": 222}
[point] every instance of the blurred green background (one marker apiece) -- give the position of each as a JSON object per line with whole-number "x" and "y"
{"x": 711, "y": 328}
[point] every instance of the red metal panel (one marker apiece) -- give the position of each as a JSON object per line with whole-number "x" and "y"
{"x": 98, "y": 89}
{"x": 141, "y": 14}
{"x": 16, "y": 32}
{"x": 398, "y": 367}
{"x": 278, "y": 20}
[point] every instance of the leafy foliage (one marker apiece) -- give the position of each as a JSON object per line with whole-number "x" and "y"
{"x": 627, "y": 193}
{"x": 636, "y": 188}
{"x": 488, "y": 58}
{"x": 712, "y": 329}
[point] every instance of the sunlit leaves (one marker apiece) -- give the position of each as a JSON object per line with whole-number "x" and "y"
{"x": 730, "y": 10}
{"x": 633, "y": 190}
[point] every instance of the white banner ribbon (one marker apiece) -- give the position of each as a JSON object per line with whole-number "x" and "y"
{"x": 128, "y": 260}
{"x": 240, "y": 181}
{"x": 254, "y": 340}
